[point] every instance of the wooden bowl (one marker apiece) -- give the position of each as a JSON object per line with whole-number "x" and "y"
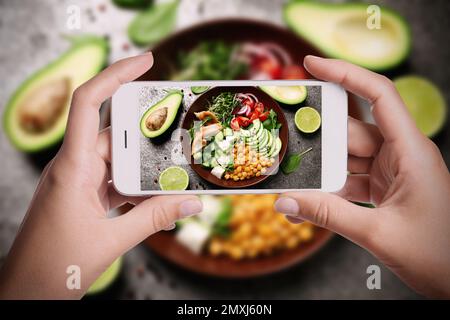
{"x": 165, "y": 245}
{"x": 234, "y": 31}
{"x": 200, "y": 105}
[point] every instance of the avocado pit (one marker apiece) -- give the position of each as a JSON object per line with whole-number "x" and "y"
{"x": 156, "y": 119}
{"x": 43, "y": 106}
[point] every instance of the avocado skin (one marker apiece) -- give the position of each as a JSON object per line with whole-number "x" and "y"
{"x": 175, "y": 97}
{"x": 280, "y": 98}
{"x": 342, "y": 7}
{"x": 77, "y": 43}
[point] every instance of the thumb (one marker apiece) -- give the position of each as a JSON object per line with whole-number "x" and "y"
{"x": 150, "y": 216}
{"x": 330, "y": 211}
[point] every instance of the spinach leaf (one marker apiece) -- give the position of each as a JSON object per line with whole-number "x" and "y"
{"x": 293, "y": 161}
{"x": 153, "y": 24}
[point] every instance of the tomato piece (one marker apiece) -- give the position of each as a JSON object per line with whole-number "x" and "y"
{"x": 259, "y": 107}
{"x": 234, "y": 124}
{"x": 294, "y": 72}
{"x": 243, "y": 121}
{"x": 264, "y": 116}
{"x": 254, "y": 116}
{"x": 270, "y": 67}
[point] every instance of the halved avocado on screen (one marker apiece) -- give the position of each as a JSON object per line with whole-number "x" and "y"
{"x": 35, "y": 116}
{"x": 158, "y": 118}
{"x": 286, "y": 94}
{"x": 341, "y": 31}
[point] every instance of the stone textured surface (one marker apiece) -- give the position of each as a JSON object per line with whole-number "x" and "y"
{"x": 30, "y": 35}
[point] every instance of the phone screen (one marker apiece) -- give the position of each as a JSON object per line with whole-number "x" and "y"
{"x": 230, "y": 137}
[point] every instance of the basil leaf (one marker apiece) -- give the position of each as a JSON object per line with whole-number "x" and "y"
{"x": 293, "y": 161}
{"x": 153, "y": 24}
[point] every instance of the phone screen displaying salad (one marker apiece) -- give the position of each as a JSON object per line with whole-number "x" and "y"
{"x": 230, "y": 137}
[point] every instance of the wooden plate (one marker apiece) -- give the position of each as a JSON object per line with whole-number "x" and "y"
{"x": 165, "y": 245}
{"x": 200, "y": 105}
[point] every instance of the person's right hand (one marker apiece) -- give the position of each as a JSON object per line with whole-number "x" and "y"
{"x": 397, "y": 168}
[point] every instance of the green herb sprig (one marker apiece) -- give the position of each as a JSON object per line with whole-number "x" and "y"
{"x": 223, "y": 105}
{"x": 293, "y": 161}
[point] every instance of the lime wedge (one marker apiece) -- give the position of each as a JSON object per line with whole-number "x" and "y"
{"x": 307, "y": 120}
{"x": 199, "y": 89}
{"x": 424, "y": 101}
{"x": 174, "y": 178}
{"x": 107, "y": 277}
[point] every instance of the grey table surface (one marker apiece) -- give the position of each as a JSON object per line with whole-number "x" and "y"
{"x": 30, "y": 35}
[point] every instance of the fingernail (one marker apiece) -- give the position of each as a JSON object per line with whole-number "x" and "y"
{"x": 294, "y": 220}
{"x": 190, "y": 207}
{"x": 288, "y": 206}
{"x": 309, "y": 57}
{"x": 170, "y": 227}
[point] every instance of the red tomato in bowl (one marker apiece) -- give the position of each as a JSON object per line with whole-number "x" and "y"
{"x": 264, "y": 116}
{"x": 294, "y": 72}
{"x": 259, "y": 107}
{"x": 234, "y": 124}
{"x": 254, "y": 116}
{"x": 243, "y": 121}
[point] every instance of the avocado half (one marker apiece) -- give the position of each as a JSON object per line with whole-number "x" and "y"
{"x": 35, "y": 117}
{"x": 286, "y": 94}
{"x": 341, "y": 31}
{"x": 158, "y": 118}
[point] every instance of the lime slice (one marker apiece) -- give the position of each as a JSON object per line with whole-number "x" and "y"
{"x": 107, "y": 277}
{"x": 199, "y": 89}
{"x": 174, "y": 178}
{"x": 307, "y": 120}
{"x": 424, "y": 101}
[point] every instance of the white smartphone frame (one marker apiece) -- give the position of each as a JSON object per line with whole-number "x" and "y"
{"x": 126, "y": 133}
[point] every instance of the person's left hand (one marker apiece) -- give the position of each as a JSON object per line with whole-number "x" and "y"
{"x": 67, "y": 221}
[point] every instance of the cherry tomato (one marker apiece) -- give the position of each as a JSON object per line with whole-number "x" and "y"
{"x": 243, "y": 121}
{"x": 254, "y": 116}
{"x": 234, "y": 124}
{"x": 259, "y": 107}
{"x": 294, "y": 72}
{"x": 264, "y": 116}
{"x": 270, "y": 67}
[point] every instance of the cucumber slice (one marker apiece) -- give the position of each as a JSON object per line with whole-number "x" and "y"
{"x": 206, "y": 164}
{"x": 228, "y": 132}
{"x": 218, "y": 137}
{"x": 197, "y": 155}
{"x": 214, "y": 162}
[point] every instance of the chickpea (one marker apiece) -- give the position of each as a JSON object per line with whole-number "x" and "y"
{"x": 258, "y": 174}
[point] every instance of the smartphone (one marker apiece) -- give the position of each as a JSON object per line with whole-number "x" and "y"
{"x": 222, "y": 137}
